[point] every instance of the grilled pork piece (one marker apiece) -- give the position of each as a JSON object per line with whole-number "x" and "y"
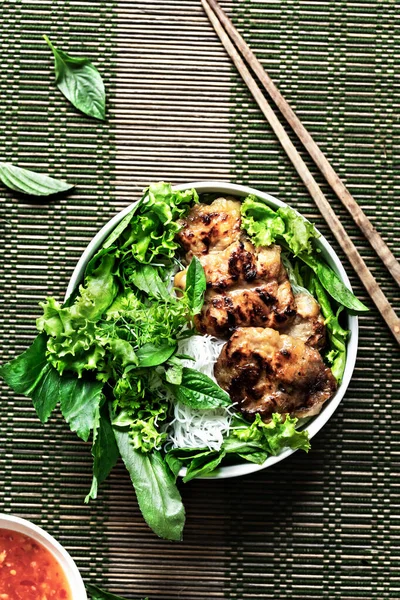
{"x": 266, "y": 372}
{"x": 246, "y": 286}
{"x": 210, "y": 227}
{"x": 308, "y": 324}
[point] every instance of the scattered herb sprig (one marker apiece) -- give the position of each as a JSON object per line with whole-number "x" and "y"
{"x": 80, "y": 82}
{"x": 30, "y": 183}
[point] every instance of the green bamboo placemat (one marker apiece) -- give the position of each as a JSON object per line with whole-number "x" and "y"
{"x": 324, "y": 525}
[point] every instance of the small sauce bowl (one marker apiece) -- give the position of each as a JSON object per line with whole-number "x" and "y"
{"x": 37, "y": 534}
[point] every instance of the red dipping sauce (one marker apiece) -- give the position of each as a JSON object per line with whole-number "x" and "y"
{"x": 28, "y": 571}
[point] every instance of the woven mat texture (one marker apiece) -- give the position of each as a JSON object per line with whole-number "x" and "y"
{"x": 324, "y": 525}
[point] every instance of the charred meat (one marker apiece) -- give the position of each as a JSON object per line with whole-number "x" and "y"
{"x": 267, "y": 372}
{"x": 308, "y": 324}
{"x": 246, "y": 286}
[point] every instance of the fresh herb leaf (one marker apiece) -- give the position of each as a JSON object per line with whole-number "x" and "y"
{"x": 46, "y": 394}
{"x": 199, "y": 391}
{"x": 274, "y": 436}
{"x": 258, "y": 457}
{"x": 31, "y": 183}
{"x": 336, "y": 356}
{"x": 24, "y": 372}
{"x": 104, "y": 451}
{"x": 80, "y": 400}
{"x": 261, "y": 223}
{"x": 195, "y": 285}
{"x": 174, "y": 463}
{"x": 202, "y": 466}
{"x": 150, "y": 355}
{"x": 99, "y": 594}
{"x": 80, "y": 82}
{"x": 156, "y": 491}
{"x": 333, "y": 285}
{"x": 152, "y": 233}
{"x": 264, "y": 225}
{"x": 147, "y": 279}
{"x": 336, "y": 288}
{"x": 30, "y": 374}
{"x": 253, "y": 442}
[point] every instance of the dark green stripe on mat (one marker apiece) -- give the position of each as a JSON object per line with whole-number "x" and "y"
{"x": 46, "y": 470}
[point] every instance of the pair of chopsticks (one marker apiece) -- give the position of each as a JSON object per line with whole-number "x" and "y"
{"x": 234, "y": 43}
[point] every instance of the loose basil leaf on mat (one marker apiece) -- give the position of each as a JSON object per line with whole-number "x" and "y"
{"x": 199, "y": 391}
{"x": 99, "y": 594}
{"x": 80, "y": 82}
{"x": 195, "y": 285}
{"x": 31, "y": 183}
{"x": 150, "y": 355}
{"x": 104, "y": 451}
{"x": 158, "y": 497}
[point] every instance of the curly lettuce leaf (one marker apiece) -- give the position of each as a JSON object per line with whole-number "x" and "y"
{"x": 152, "y": 232}
{"x": 75, "y": 342}
{"x": 274, "y": 436}
{"x": 253, "y": 442}
{"x": 261, "y": 223}
{"x": 264, "y": 226}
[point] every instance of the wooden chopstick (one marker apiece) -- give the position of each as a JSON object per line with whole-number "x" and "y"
{"x": 311, "y": 146}
{"x": 330, "y": 217}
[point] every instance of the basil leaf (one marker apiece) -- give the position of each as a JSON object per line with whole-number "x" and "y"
{"x": 336, "y": 288}
{"x": 46, "y": 394}
{"x": 199, "y": 391}
{"x": 30, "y": 374}
{"x": 174, "y": 463}
{"x": 195, "y": 285}
{"x": 104, "y": 451}
{"x": 203, "y": 465}
{"x": 31, "y": 183}
{"x": 158, "y": 497}
{"x": 80, "y": 401}
{"x": 150, "y": 355}
{"x": 333, "y": 285}
{"x": 146, "y": 278}
{"x": 255, "y": 457}
{"x": 80, "y": 82}
{"x": 99, "y": 594}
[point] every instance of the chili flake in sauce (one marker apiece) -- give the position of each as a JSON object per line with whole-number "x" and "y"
{"x": 28, "y": 571}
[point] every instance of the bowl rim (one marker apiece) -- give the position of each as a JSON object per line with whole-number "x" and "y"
{"x": 330, "y": 256}
{"x": 70, "y": 570}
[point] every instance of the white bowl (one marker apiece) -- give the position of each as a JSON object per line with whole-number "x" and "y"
{"x": 60, "y": 554}
{"x": 329, "y": 255}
